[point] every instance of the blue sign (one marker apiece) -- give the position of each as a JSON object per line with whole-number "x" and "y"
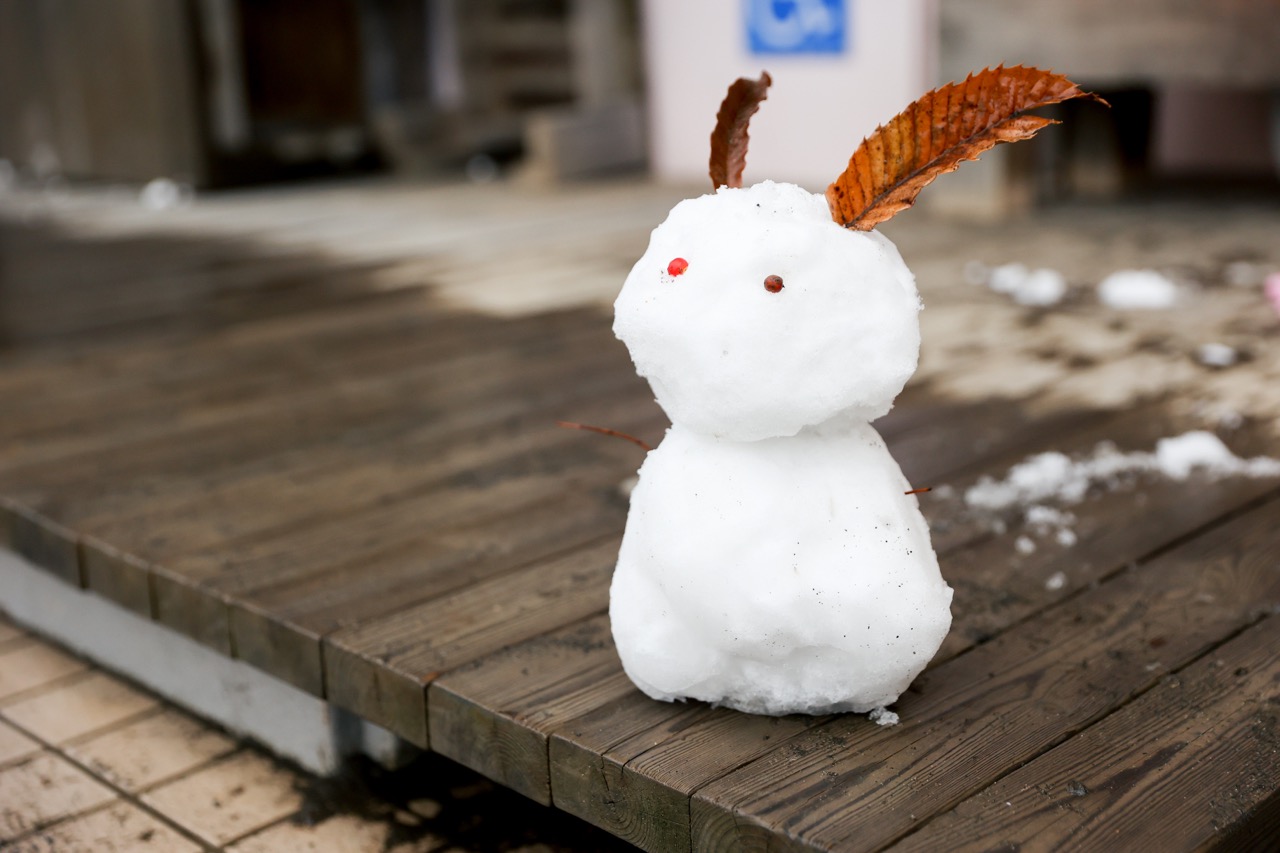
{"x": 796, "y": 26}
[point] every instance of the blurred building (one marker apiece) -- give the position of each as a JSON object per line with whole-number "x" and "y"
{"x": 220, "y": 92}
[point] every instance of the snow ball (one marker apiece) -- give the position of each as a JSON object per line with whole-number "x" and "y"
{"x": 1137, "y": 289}
{"x": 1043, "y": 288}
{"x": 1056, "y": 581}
{"x": 787, "y": 575}
{"x": 164, "y": 194}
{"x": 883, "y": 717}
{"x": 727, "y": 357}
{"x": 1039, "y": 288}
{"x": 1216, "y": 355}
{"x": 1007, "y": 278}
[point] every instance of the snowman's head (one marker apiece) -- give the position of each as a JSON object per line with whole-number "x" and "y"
{"x": 729, "y": 353}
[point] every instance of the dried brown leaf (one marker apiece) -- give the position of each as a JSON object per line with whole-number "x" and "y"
{"x": 934, "y": 135}
{"x": 729, "y": 139}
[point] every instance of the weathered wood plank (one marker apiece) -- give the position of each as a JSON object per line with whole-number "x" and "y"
{"x": 360, "y": 557}
{"x": 527, "y": 690}
{"x": 464, "y": 414}
{"x": 41, "y": 540}
{"x": 261, "y": 424}
{"x": 1192, "y": 763}
{"x": 995, "y": 587}
{"x": 416, "y": 645}
{"x": 850, "y": 784}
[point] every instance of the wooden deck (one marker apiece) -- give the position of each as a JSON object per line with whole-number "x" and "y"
{"x": 363, "y": 494}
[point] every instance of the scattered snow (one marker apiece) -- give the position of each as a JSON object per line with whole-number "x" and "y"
{"x": 164, "y": 194}
{"x": 1056, "y": 581}
{"x": 1066, "y": 537}
{"x": 1054, "y": 476}
{"x": 1138, "y": 289}
{"x": 883, "y": 717}
{"x": 1025, "y": 545}
{"x": 1042, "y": 518}
{"x": 1039, "y": 287}
{"x": 1216, "y": 355}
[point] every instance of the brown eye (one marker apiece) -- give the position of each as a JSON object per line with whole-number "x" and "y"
{"x": 773, "y": 283}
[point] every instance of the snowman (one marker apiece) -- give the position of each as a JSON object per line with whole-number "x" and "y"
{"x": 775, "y": 559}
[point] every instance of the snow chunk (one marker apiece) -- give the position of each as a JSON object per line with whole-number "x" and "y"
{"x": 1216, "y": 355}
{"x": 1039, "y": 287}
{"x": 1138, "y": 289}
{"x": 1053, "y": 475}
{"x": 164, "y": 194}
{"x": 883, "y": 717}
{"x": 1056, "y": 581}
{"x": 728, "y": 358}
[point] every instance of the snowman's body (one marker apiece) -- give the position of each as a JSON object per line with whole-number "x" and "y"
{"x": 772, "y": 562}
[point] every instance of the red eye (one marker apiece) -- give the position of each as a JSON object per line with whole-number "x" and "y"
{"x": 677, "y": 266}
{"x": 773, "y": 283}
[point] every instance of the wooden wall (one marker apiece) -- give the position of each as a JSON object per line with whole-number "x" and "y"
{"x": 97, "y": 89}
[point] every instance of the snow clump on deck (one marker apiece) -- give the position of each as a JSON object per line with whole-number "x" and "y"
{"x": 1138, "y": 290}
{"x": 1055, "y": 476}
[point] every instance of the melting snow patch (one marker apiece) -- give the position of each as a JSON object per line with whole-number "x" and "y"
{"x": 1137, "y": 289}
{"x": 883, "y": 717}
{"x": 1039, "y": 287}
{"x": 1055, "y": 476}
{"x": 1216, "y": 355}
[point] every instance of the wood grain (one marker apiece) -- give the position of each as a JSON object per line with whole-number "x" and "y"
{"x": 850, "y": 783}
{"x": 1174, "y": 769}
{"x": 528, "y": 690}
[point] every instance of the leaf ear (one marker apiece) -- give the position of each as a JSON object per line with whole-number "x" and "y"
{"x": 729, "y": 139}
{"x": 934, "y": 135}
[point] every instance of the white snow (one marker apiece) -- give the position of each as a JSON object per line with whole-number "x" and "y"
{"x": 1056, "y": 581}
{"x": 1216, "y": 355}
{"x": 727, "y": 357}
{"x": 1039, "y": 287}
{"x": 1138, "y": 290}
{"x": 883, "y": 717}
{"x": 1054, "y": 476}
{"x": 164, "y": 194}
{"x": 1024, "y": 545}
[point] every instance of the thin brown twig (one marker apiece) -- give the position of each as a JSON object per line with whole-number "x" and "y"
{"x": 919, "y": 491}
{"x": 606, "y": 431}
